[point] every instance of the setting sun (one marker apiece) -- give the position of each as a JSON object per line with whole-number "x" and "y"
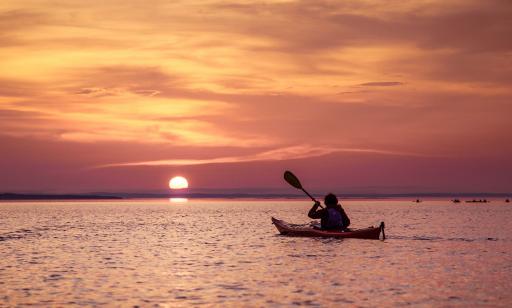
{"x": 293, "y": 120}
{"x": 178, "y": 182}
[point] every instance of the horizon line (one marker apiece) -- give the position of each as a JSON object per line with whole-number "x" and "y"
{"x": 141, "y": 195}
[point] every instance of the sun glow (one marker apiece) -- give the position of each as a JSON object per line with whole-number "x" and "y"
{"x": 178, "y": 182}
{"x": 178, "y": 200}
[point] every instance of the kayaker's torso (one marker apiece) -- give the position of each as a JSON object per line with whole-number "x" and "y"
{"x": 331, "y": 218}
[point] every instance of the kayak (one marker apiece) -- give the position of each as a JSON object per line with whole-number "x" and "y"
{"x": 285, "y": 228}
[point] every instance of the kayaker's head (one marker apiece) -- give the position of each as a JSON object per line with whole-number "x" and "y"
{"x": 330, "y": 200}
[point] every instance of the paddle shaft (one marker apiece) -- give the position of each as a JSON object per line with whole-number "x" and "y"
{"x": 312, "y": 198}
{"x": 293, "y": 180}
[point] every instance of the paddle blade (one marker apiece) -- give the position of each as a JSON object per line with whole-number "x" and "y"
{"x": 292, "y": 179}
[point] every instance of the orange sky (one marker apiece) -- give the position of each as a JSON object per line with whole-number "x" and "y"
{"x": 354, "y": 95}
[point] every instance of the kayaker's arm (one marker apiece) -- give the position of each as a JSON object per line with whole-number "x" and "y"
{"x": 313, "y": 213}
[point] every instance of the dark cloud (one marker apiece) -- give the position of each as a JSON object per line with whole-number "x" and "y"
{"x": 484, "y": 68}
{"x": 459, "y": 41}
{"x": 305, "y": 26}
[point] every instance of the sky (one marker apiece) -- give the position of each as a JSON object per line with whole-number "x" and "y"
{"x": 353, "y": 96}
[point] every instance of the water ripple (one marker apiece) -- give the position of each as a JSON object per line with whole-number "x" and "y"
{"x": 151, "y": 253}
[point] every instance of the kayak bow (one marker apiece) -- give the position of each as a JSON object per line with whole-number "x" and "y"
{"x": 285, "y": 228}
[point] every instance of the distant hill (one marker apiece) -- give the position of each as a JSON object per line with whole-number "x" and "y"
{"x": 11, "y": 196}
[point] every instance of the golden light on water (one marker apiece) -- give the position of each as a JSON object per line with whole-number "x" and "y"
{"x": 178, "y": 200}
{"x": 178, "y": 182}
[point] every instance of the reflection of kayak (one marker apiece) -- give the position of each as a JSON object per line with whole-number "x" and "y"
{"x": 307, "y": 231}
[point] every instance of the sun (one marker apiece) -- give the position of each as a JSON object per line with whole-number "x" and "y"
{"x": 178, "y": 182}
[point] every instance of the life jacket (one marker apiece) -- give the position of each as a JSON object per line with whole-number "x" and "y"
{"x": 333, "y": 219}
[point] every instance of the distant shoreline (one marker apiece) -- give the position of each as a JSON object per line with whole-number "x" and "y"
{"x": 13, "y": 197}
{"x": 122, "y": 196}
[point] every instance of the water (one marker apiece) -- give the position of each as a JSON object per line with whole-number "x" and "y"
{"x": 227, "y": 253}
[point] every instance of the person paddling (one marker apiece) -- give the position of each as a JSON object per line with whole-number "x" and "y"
{"x": 333, "y": 216}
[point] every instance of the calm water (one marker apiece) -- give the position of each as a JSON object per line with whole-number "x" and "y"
{"x": 227, "y": 253}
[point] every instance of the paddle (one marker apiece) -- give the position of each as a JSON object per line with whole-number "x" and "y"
{"x": 294, "y": 181}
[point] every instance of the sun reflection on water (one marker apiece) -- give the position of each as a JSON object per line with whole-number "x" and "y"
{"x": 178, "y": 200}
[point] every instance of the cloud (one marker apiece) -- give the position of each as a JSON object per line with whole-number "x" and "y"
{"x": 10, "y": 87}
{"x": 286, "y": 153}
{"x": 179, "y": 83}
{"x": 462, "y": 25}
{"x": 382, "y": 84}
{"x": 248, "y": 74}
{"x": 19, "y": 116}
{"x": 20, "y": 19}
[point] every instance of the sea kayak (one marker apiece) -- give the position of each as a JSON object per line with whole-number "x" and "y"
{"x": 370, "y": 233}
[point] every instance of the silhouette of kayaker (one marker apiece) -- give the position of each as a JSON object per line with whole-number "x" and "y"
{"x": 332, "y": 217}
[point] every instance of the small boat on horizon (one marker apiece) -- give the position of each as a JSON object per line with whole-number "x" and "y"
{"x": 477, "y": 201}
